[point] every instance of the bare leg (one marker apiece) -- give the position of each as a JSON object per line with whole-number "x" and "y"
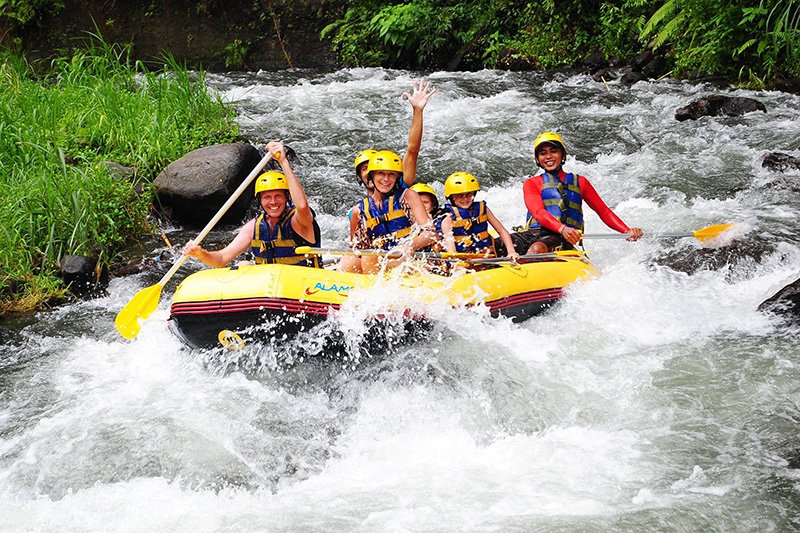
{"x": 369, "y": 265}
{"x": 350, "y": 263}
{"x": 538, "y": 248}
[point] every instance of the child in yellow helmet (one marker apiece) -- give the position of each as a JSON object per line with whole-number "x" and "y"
{"x": 466, "y": 224}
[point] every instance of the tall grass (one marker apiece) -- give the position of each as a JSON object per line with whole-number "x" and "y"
{"x": 59, "y": 127}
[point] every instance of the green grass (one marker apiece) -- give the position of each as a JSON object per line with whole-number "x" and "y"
{"x": 58, "y": 127}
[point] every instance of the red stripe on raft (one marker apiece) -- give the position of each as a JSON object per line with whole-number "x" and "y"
{"x": 517, "y": 300}
{"x": 251, "y": 304}
{"x": 315, "y": 308}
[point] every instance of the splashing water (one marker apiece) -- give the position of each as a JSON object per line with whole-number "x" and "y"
{"x": 650, "y": 398}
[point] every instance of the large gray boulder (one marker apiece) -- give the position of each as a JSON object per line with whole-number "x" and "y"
{"x": 192, "y": 189}
{"x": 717, "y": 104}
{"x": 785, "y": 302}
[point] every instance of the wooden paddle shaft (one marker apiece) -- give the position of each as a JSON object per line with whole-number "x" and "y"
{"x": 222, "y": 210}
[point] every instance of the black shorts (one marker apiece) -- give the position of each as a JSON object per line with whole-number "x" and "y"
{"x": 524, "y": 239}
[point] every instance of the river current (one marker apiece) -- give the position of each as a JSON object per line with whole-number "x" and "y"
{"x": 652, "y": 397}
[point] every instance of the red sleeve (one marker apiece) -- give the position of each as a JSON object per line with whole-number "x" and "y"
{"x": 532, "y": 192}
{"x": 594, "y": 201}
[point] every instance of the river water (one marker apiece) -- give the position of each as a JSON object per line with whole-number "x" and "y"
{"x": 653, "y": 397}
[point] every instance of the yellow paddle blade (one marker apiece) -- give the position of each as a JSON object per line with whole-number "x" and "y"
{"x": 141, "y": 306}
{"x": 710, "y": 232}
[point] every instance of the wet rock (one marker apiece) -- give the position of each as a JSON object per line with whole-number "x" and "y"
{"x": 780, "y": 162}
{"x": 641, "y": 60}
{"x": 791, "y": 85}
{"x": 594, "y": 62}
{"x": 691, "y": 260}
{"x": 717, "y": 104}
{"x": 134, "y": 266}
{"x": 785, "y": 302}
{"x": 793, "y": 459}
{"x": 195, "y": 186}
{"x": 631, "y": 77}
{"x": 82, "y": 275}
{"x": 605, "y": 74}
{"x": 655, "y": 68}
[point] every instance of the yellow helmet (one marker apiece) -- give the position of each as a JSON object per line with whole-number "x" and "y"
{"x": 423, "y": 188}
{"x": 271, "y": 181}
{"x": 551, "y": 138}
{"x": 460, "y": 182}
{"x": 363, "y": 157}
{"x": 385, "y": 160}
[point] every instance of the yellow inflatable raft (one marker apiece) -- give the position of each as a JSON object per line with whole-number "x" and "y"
{"x": 224, "y": 305}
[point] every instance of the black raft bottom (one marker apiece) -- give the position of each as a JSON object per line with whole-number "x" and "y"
{"x": 232, "y": 330}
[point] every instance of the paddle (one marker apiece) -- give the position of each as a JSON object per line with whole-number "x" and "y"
{"x": 701, "y": 235}
{"x": 146, "y": 300}
{"x": 445, "y": 256}
{"x": 546, "y": 255}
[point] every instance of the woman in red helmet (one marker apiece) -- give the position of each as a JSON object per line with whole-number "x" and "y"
{"x": 555, "y": 202}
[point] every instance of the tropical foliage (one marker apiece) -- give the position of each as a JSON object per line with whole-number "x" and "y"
{"x": 59, "y": 129}
{"x": 755, "y": 41}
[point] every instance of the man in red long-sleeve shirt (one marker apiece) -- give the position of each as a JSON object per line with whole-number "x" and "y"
{"x": 555, "y": 202}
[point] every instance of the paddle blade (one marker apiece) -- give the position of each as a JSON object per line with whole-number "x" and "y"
{"x": 711, "y": 232}
{"x": 141, "y": 306}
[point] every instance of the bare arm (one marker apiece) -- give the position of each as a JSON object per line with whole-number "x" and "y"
{"x": 447, "y": 233}
{"x": 355, "y": 220}
{"x": 303, "y": 219}
{"x": 608, "y": 216}
{"x": 501, "y": 230}
{"x": 220, "y": 258}
{"x": 421, "y": 219}
{"x": 421, "y": 92}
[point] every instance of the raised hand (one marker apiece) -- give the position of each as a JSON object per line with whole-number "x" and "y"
{"x": 421, "y": 91}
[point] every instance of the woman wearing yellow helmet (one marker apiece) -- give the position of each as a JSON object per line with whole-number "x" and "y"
{"x": 555, "y": 201}
{"x": 390, "y": 216}
{"x": 466, "y": 224}
{"x": 286, "y": 222}
{"x": 418, "y": 98}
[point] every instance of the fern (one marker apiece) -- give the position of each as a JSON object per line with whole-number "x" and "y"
{"x": 664, "y": 12}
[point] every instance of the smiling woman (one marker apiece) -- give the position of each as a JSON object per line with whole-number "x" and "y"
{"x": 390, "y": 213}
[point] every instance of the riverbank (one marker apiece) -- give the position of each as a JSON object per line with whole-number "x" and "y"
{"x": 81, "y": 142}
{"x": 732, "y": 40}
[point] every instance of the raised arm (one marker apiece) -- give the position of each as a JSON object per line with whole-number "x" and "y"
{"x": 418, "y": 98}
{"x": 303, "y": 219}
